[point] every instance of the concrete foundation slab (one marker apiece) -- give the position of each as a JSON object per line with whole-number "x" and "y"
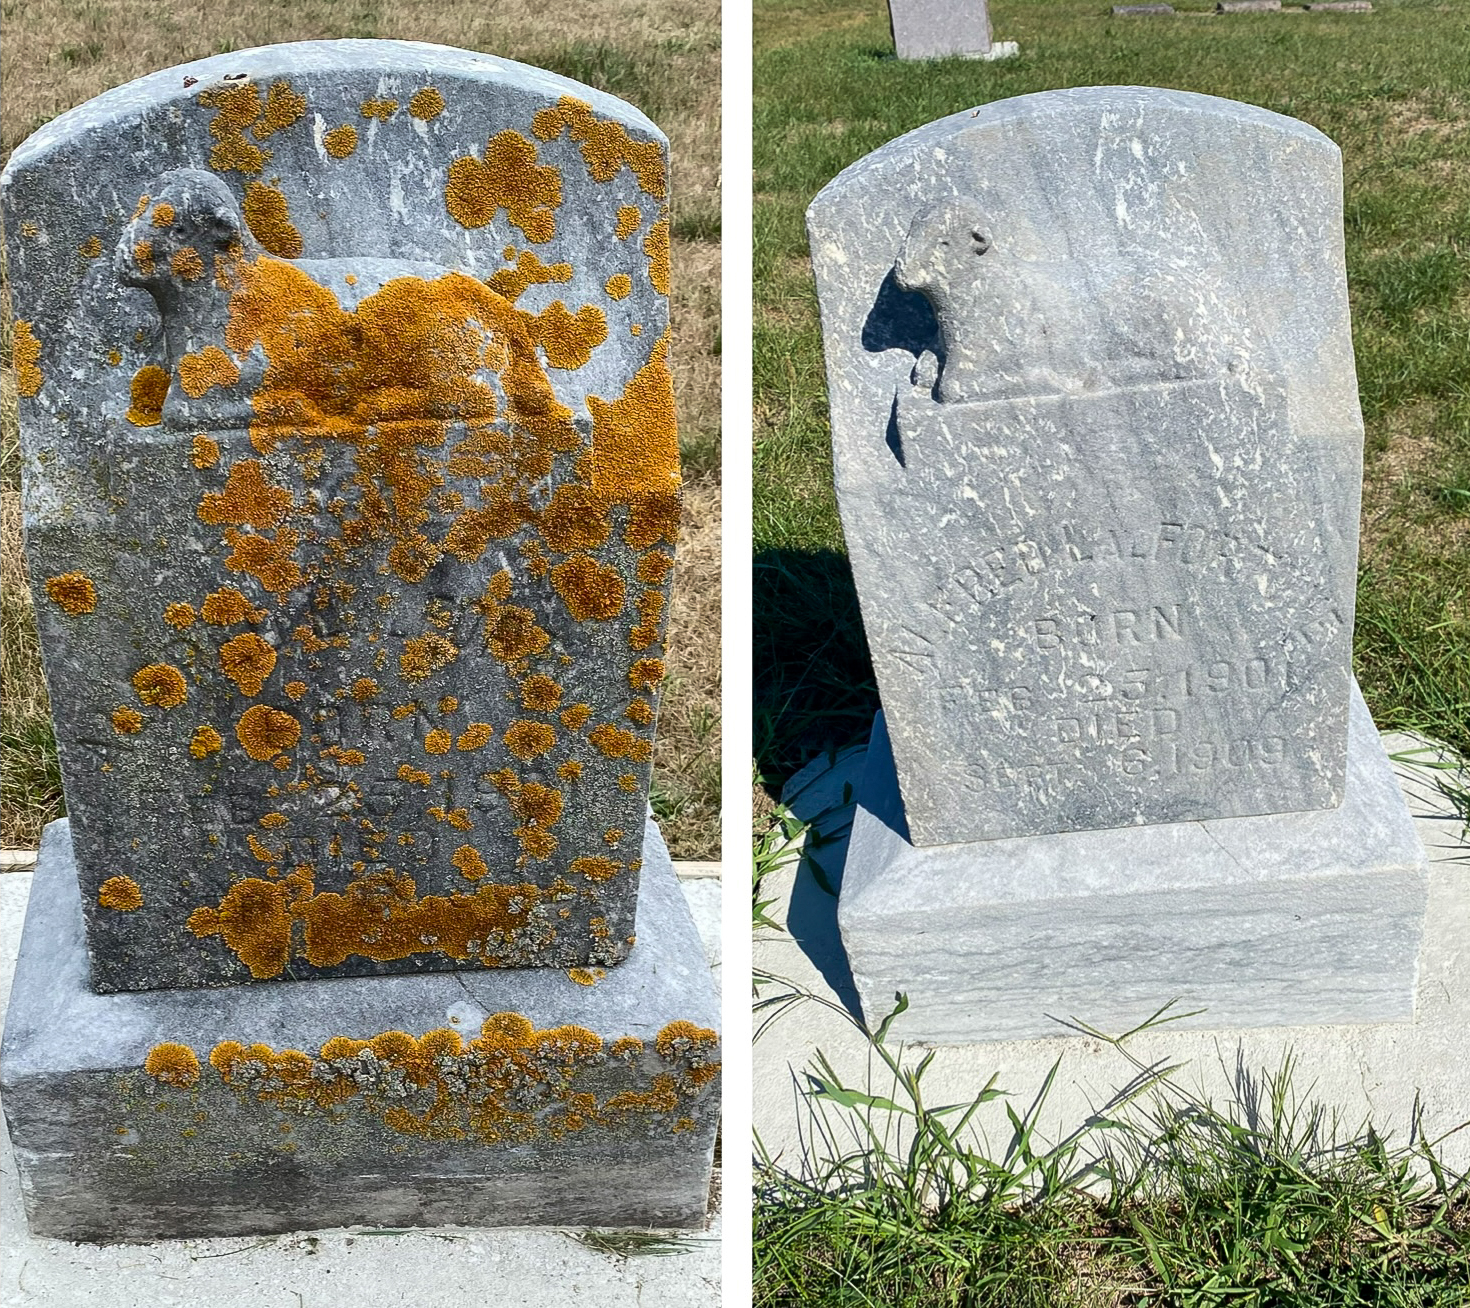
{"x": 1256, "y": 921}
{"x": 520, "y": 1097}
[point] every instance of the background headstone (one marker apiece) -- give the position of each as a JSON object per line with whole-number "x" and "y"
{"x": 1097, "y": 451}
{"x": 1247, "y": 6}
{"x": 1142, "y": 11}
{"x": 938, "y": 29}
{"x": 351, "y": 486}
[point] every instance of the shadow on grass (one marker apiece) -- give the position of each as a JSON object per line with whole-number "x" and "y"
{"x": 814, "y": 687}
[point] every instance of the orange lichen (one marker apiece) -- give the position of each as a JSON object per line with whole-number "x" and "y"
{"x": 204, "y": 451}
{"x": 255, "y": 922}
{"x": 163, "y": 215}
{"x": 283, "y": 106}
{"x": 619, "y": 286}
{"x": 248, "y": 499}
{"x": 513, "y": 634}
{"x": 630, "y": 218}
{"x": 247, "y": 660}
{"x": 148, "y": 392}
{"x": 382, "y": 110}
{"x": 570, "y": 770}
{"x": 628, "y": 782}
{"x": 186, "y": 265}
{"x": 650, "y": 609}
{"x": 616, "y": 742}
{"x": 161, "y": 684}
{"x": 611, "y": 836}
{"x": 269, "y": 561}
{"x": 273, "y": 820}
{"x": 680, "y": 1035}
{"x": 91, "y": 248}
{"x": 120, "y": 893}
{"x": 590, "y": 591}
{"x": 173, "y": 1064}
{"x": 423, "y": 655}
{"x": 654, "y": 568}
{"x": 209, "y": 368}
{"x": 73, "y": 593}
{"x": 467, "y": 859}
{"x": 426, "y": 104}
{"x": 656, "y": 247}
{"x": 596, "y": 869}
{"x": 474, "y": 736}
{"x": 364, "y": 689}
{"x": 639, "y": 711}
{"x": 181, "y": 616}
{"x": 143, "y": 257}
{"x": 606, "y": 146}
{"x": 438, "y": 741}
{"x": 540, "y": 694}
{"x": 575, "y": 717}
{"x": 448, "y": 703}
{"x": 269, "y": 218}
{"x": 206, "y": 740}
{"x": 126, "y": 721}
{"x": 527, "y": 740}
{"x": 645, "y": 674}
{"x": 586, "y": 976}
{"x": 227, "y": 606}
{"x": 27, "y": 348}
{"x": 528, "y": 270}
{"x": 458, "y": 818}
{"x": 265, "y": 732}
{"x": 413, "y": 775}
{"x": 635, "y": 443}
{"x": 575, "y": 519}
{"x": 508, "y": 178}
{"x": 568, "y": 338}
{"x": 237, "y": 107}
{"x": 340, "y": 141}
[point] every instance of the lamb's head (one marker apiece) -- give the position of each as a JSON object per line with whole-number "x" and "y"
{"x": 944, "y": 244}
{"x": 189, "y": 221}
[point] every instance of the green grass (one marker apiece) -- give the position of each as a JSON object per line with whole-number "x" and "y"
{"x": 1158, "y": 1197}
{"x": 1388, "y": 87}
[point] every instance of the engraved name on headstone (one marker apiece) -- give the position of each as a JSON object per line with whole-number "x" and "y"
{"x": 1097, "y": 452}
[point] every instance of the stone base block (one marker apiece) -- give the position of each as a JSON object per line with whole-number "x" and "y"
{"x": 509, "y": 1098}
{"x": 1280, "y": 920}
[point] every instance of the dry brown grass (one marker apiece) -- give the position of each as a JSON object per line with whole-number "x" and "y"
{"x": 662, "y": 55}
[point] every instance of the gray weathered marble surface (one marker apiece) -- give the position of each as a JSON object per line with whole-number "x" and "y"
{"x": 1280, "y": 920}
{"x": 351, "y": 484}
{"x": 1098, "y": 454}
{"x": 126, "y": 1128}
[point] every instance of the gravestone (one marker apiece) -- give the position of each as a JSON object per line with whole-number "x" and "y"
{"x": 1247, "y": 6}
{"x": 1141, "y": 11}
{"x": 1097, "y": 451}
{"x": 939, "y": 29}
{"x": 351, "y": 488}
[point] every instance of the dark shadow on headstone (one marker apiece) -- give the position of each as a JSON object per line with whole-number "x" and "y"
{"x": 901, "y": 320}
{"x": 895, "y": 436}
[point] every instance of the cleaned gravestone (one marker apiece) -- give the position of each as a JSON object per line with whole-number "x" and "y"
{"x": 1098, "y": 460}
{"x": 351, "y": 489}
{"x": 1097, "y": 452}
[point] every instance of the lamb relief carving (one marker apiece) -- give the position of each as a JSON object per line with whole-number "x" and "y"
{"x": 1012, "y": 327}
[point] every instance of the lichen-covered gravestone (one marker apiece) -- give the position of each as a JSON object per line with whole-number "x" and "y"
{"x": 351, "y": 491}
{"x": 1098, "y": 455}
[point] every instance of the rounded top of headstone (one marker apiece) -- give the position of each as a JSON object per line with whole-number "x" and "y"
{"x": 389, "y": 59}
{"x": 1115, "y": 107}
